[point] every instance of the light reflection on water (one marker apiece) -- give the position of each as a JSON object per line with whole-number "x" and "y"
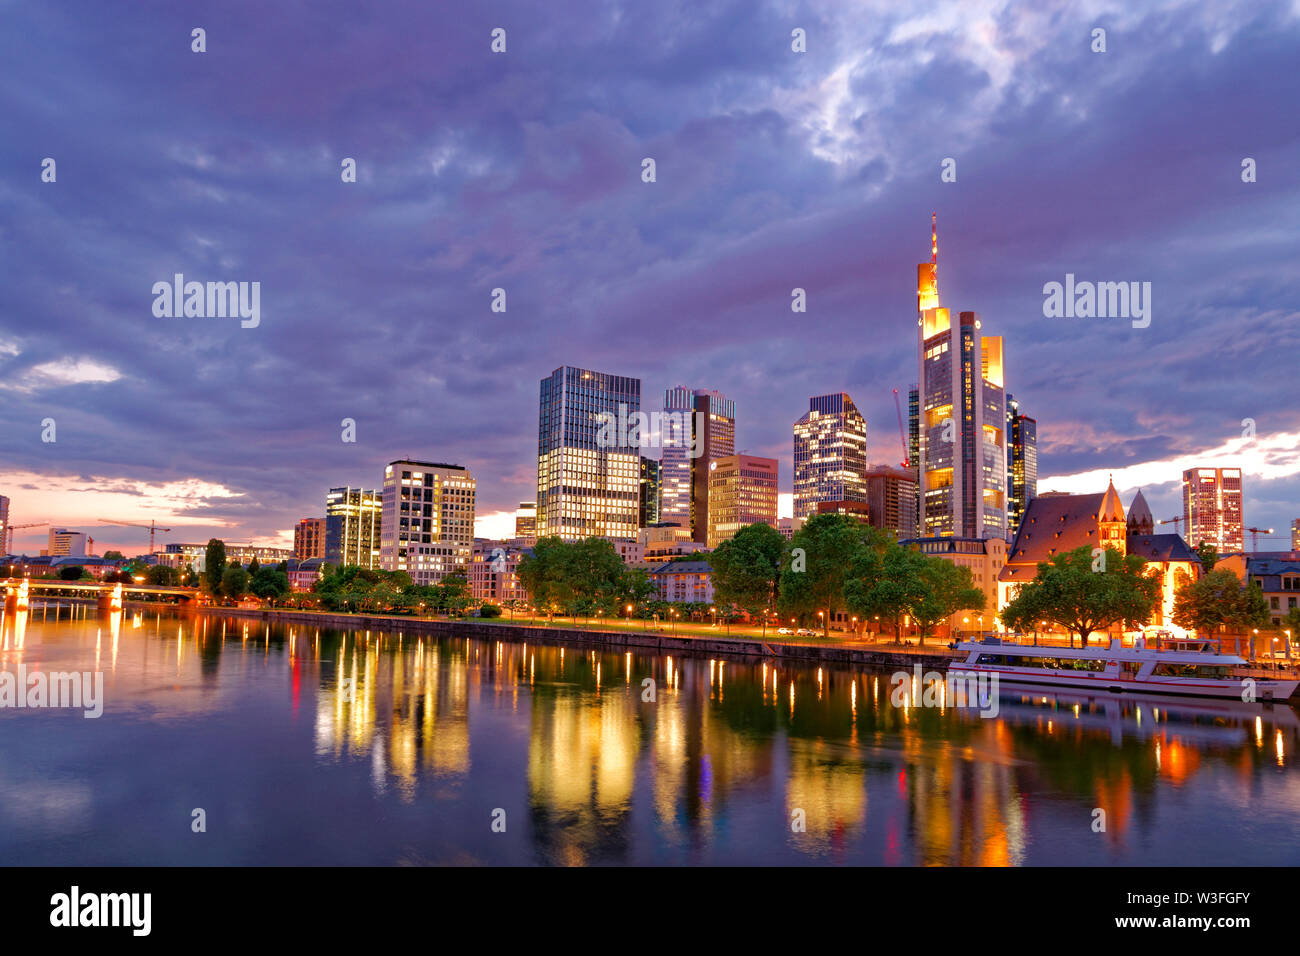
{"x": 316, "y": 746}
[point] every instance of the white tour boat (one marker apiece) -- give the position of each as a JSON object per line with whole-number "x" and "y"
{"x": 1190, "y": 668}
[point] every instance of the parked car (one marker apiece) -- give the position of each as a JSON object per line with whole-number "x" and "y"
{"x": 806, "y": 632}
{"x": 784, "y": 630}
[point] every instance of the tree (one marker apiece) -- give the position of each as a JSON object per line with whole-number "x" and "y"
{"x": 234, "y": 582}
{"x": 489, "y": 610}
{"x": 159, "y": 575}
{"x": 816, "y": 567}
{"x": 1218, "y": 600}
{"x": 942, "y": 588}
{"x": 114, "y": 556}
{"x": 71, "y": 572}
{"x": 746, "y": 570}
{"x": 253, "y": 567}
{"x": 1069, "y": 593}
{"x": 1208, "y": 554}
{"x": 268, "y": 583}
{"x": 214, "y": 565}
{"x": 544, "y": 574}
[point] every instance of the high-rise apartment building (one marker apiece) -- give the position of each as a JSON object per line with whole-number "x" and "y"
{"x": 526, "y": 520}
{"x": 742, "y": 491}
{"x": 428, "y": 524}
{"x": 1295, "y": 535}
{"x": 830, "y": 453}
{"x": 1022, "y": 464}
{"x": 1212, "y": 509}
{"x": 704, "y": 430}
{"x": 651, "y": 481}
{"x": 588, "y": 473}
{"x": 891, "y": 500}
{"x": 963, "y": 418}
{"x": 352, "y": 527}
{"x": 309, "y": 539}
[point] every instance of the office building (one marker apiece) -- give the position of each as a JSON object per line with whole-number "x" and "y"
{"x": 494, "y": 571}
{"x": 352, "y": 526}
{"x": 699, "y": 428}
{"x": 64, "y": 543}
{"x": 1212, "y": 508}
{"x": 963, "y": 418}
{"x": 742, "y": 491}
{"x": 891, "y": 500}
{"x": 830, "y": 453}
{"x": 914, "y": 447}
{"x": 1022, "y": 463}
{"x": 651, "y": 482}
{"x": 428, "y": 519}
{"x": 588, "y": 473}
{"x": 526, "y": 520}
{"x": 309, "y": 539}
{"x": 1295, "y": 535}
{"x": 5, "y": 544}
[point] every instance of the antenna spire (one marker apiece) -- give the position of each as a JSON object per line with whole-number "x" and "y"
{"x": 934, "y": 239}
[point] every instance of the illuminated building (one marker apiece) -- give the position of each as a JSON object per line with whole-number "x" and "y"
{"x": 684, "y": 477}
{"x": 830, "y": 453}
{"x": 494, "y": 571}
{"x": 788, "y": 526}
{"x": 742, "y": 491}
{"x": 985, "y": 557}
{"x": 891, "y": 500}
{"x": 914, "y": 449}
{"x": 428, "y": 519}
{"x": 962, "y": 415}
{"x": 526, "y": 520}
{"x": 1057, "y": 523}
{"x": 64, "y": 543}
{"x": 1295, "y": 535}
{"x": 587, "y": 485}
{"x": 684, "y": 582}
{"x": 649, "y": 493}
{"x": 1212, "y": 508}
{"x": 309, "y": 539}
{"x": 1277, "y": 574}
{"x": 352, "y": 527}
{"x": 4, "y": 523}
{"x": 1022, "y": 463}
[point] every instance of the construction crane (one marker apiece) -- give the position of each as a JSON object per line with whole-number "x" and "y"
{"x": 1254, "y": 536}
{"x": 902, "y": 432}
{"x": 152, "y": 526}
{"x": 1174, "y": 521}
{"x": 9, "y": 546}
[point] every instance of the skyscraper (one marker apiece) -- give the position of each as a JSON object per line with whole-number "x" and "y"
{"x": 710, "y": 434}
{"x": 963, "y": 417}
{"x": 1212, "y": 508}
{"x": 648, "y": 513}
{"x": 914, "y": 450}
{"x": 5, "y": 544}
{"x": 428, "y": 524}
{"x": 830, "y": 453}
{"x": 742, "y": 491}
{"x": 891, "y": 497}
{"x": 1295, "y": 535}
{"x": 352, "y": 524}
{"x": 588, "y": 475}
{"x": 1022, "y": 464}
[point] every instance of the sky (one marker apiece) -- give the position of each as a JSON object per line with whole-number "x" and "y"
{"x": 522, "y": 170}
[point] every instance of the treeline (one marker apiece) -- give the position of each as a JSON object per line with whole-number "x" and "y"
{"x": 352, "y": 588}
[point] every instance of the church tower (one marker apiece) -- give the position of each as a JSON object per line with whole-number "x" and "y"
{"x": 1113, "y": 530}
{"x": 1140, "y": 519}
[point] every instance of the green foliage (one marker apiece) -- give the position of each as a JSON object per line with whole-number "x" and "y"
{"x": 1208, "y": 554}
{"x": 353, "y": 588}
{"x": 71, "y": 572}
{"x": 234, "y": 582}
{"x": 268, "y": 583}
{"x": 889, "y": 581}
{"x": 825, "y": 548}
{"x": 1217, "y": 600}
{"x": 1068, "y": 593}
{"x": 114, "y": 556}
{"x": 489, "y": 610}
{"x": 214, "y": 565}
{"x": 747, "y": 569}
{"x": 583, "y": 577}
{"x": 159, "y": 575}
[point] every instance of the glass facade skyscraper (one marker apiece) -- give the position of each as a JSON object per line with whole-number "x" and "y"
{"x": 830, "y": 453}
{"x": 588, "y": 474}
{"x": 1022, "y": 464}
{"x": 352, "y": 524}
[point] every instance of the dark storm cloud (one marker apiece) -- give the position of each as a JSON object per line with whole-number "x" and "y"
{"x": 522, "y": 171}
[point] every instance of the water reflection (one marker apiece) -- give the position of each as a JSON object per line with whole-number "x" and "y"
{"x": 640, "y": 758}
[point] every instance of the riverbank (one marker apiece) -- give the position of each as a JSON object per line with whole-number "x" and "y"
{"x": 888, "y": 655}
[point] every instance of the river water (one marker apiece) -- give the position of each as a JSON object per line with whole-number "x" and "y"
{"x": 228, "y": 741}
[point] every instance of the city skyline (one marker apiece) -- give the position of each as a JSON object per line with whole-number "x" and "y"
{"x": 787, "y": 179}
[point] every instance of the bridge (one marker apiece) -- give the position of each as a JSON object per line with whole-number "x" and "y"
{"x": 18, "y": 592}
